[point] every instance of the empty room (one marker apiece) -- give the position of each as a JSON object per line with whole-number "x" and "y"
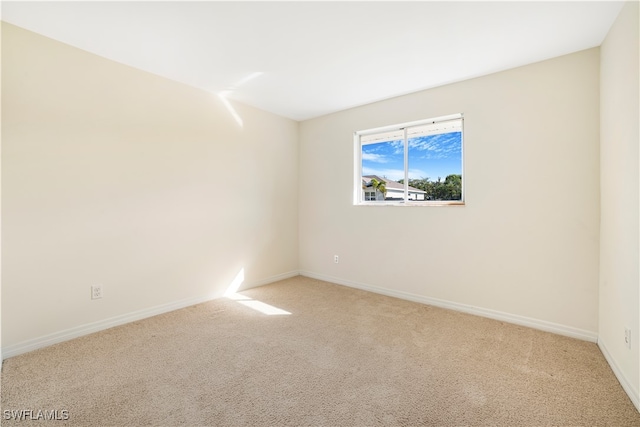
{"x": 320, "y": 213}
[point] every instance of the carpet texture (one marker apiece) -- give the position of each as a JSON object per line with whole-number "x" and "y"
{"x": 343, "y": 357}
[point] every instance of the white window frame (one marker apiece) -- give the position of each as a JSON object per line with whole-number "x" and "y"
{"x": 358, "y": 194}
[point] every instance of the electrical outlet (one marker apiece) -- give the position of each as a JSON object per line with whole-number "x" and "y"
{"x": 336, "y": 259}
{"x": 627, "y": 337}
{"x": 96, "y": 291}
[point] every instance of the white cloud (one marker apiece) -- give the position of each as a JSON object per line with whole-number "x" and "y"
{"x": 392, "y": 174}
{"x": 417, "y": 174}
{"x": 437, "y": 146}
{"x": 372, "y": 157}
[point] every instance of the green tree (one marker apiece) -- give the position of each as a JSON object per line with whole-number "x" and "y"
{"x": 449, "y": 189}
{"x": 379, "y": 186}
{"x": 453, "y": 185}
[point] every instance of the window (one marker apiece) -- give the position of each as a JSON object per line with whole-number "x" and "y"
{"x": 417, "y": 163}
{"x": 370, "y": 195}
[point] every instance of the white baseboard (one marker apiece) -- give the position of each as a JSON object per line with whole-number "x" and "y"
{"x": 271, "y": 279}
{"x": 492, "y": 314}
{"x": 89, "y": 328}
{"x": 624, "y": 382}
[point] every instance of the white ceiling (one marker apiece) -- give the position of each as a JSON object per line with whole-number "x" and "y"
{"x": 319, "y": 57}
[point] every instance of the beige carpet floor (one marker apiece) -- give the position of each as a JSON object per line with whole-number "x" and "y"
{"x": 343, "y": 357}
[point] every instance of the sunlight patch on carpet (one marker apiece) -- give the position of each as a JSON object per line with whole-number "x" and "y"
{"x": 260, "y": 306}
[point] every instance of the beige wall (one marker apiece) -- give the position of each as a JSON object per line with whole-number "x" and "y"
{"x": 620, "y": 191}
{"x": 525, "y": 246}
{"x": 114, "y": 176}
{"x": 1, "y": 352}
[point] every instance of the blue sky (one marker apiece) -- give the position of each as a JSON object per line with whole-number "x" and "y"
{"x": 430, "y": 157}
